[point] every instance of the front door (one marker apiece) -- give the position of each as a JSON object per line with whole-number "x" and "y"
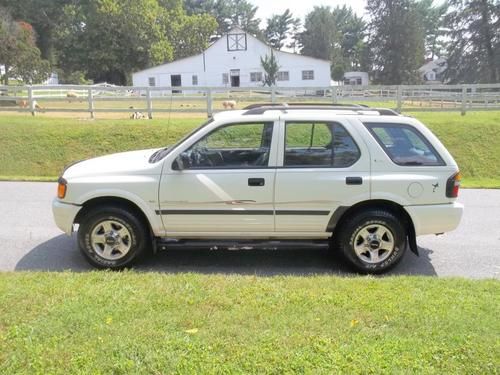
{"x": 235, "y": 78}
{"x": 222, "y": 184}
{"x": 323, "y": 168}
{"x": 176, "y": 81}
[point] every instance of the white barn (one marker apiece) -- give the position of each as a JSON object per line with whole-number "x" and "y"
{"x": 234, "y": 61}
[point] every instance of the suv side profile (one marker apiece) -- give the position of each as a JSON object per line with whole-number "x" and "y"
{"x": 367, "y": 180}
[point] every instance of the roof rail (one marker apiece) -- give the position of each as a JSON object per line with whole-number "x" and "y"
{"x": 304, "y": 104}
{"x": 259, "y": 109}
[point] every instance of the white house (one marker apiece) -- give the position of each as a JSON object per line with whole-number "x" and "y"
{"x": 234, "y": 61}
{"x": 356, "y": 78}
{"x": 432, "y": 71}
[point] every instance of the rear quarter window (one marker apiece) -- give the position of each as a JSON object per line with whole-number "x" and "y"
{"x": 405, "y": 145}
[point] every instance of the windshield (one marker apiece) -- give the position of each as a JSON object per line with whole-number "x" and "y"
{"x": 160, "y": 154}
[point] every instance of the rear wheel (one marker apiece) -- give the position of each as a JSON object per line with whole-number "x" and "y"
{"x": 373, "y": 241}
{"x": 112, "y": 237}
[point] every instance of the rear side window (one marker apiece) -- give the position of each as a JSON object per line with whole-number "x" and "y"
{"x": 405, "y": 145}
{"x": 319, "y": 144}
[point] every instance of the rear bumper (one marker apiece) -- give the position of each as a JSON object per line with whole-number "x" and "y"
{"x": 436, "y": 218}
{"x": 64, "y": 215}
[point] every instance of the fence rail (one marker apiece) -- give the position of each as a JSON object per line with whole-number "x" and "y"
{"x": 150, "y": 100}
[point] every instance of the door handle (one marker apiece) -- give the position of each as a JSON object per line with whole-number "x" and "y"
{"x": 256, "y": 182}
{"x": 354, "y": 181}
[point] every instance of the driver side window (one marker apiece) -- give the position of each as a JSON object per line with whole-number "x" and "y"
{"x": 243, "y": 145}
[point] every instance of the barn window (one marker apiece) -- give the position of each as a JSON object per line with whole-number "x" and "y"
{"x": 283, "y": 76}
{"x": 225, "y": 78}
{"x": 195, "y": 80}
{"x": 237, "y": 42}
{"x": 307, "y": 75}
{"x": 256, "y": 77}
{"x": 152, "y": 81}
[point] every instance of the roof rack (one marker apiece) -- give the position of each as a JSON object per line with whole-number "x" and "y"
{"x": 258, "y": 109}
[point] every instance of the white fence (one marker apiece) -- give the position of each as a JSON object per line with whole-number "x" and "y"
{"x": 150, "y": 100}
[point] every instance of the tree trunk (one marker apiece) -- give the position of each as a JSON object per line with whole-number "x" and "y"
{"x": 6, "y": 76}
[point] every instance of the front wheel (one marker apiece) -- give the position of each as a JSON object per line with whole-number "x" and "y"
{"x": 112, "y": 237}
{"x": 372, "y": 241}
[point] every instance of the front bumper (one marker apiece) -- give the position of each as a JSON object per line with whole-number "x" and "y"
{"x": 435, "y": 218}
{"x": 64, "y": 215}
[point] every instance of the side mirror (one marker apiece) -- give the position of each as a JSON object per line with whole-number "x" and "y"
{"x": 178, "y": 165}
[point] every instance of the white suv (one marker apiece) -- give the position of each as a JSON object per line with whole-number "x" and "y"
{"x": 367, "y": 180}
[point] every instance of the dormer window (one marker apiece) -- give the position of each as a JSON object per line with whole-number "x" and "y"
{"x": 237, "y": 42}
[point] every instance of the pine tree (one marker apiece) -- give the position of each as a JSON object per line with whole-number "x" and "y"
{"x": 396, "y": 41}
{"x": 474, "y": 47}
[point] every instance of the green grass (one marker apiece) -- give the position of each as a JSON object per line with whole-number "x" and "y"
{"x": 121, "y": 323}
{"x": 38, "y": 148}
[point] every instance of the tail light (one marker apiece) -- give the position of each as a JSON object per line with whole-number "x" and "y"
{"x": 61, "y": 188}
{"x": 453, "y": 185}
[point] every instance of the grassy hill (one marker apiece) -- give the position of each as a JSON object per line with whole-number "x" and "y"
{"x": 38, "y": 148}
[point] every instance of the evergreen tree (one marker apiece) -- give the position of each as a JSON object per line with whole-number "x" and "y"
{"x": 474, "y": 46}
{"x": 279, "y": 28}
{"x": 396, "y": 41}
{"x": 271, "y": 67}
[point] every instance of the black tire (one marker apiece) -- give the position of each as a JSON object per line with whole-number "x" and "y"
{"x": 137, "y": 240}
{"x": 385, "y": 226}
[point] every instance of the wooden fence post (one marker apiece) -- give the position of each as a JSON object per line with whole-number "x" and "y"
{"x": 464, "y": 100}
{"x": 399, "y": 99}
{"x": 335, "y": 98}
{"x": 90, "y": 98}
{"x": 273, "y": 94}
{"x": 209, "y": 103}
{"x": 149, "y": 103}
{"x": 31, "y": 102}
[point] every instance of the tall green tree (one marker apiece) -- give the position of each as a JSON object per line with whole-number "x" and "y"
{"x": 352, "y": 34}
{"x": 279, "y": 28}
{"x": 18, "y": 52}
{"x": 271, "y": 67}
{"x": 228, "y": 13}
{"x": 474, "y": 46}
{"x": 108, "y": 39}
{"x": 396, "y": 41}
{"x": 44, "y": 16}
{"x": 320, "y": 37}
{"x": 294, "y": 43}
{"x": 433, "y": 22}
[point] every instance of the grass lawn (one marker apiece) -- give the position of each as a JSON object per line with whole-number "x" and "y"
{"x": 38, "y": 148}
{"x": 121, "y": 323}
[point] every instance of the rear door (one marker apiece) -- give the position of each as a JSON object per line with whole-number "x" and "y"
{"x": 323, "y": 165}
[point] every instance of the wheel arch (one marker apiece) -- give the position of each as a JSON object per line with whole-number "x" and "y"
{"x": 124, "y": 203}
{"x": 343, "y": 212}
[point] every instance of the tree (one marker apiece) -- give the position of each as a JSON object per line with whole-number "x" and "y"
{"x": 433, "y": 23}
{"x": 396, "y": 41}
{"x": 295, "y": 35}
{"x": 352, "y": 34}
{"x": 271, "y": 67}
{"x": 44, "y": 16}
{"x": 279, "y": 28}
{"x": 474, "y": 45}
{"x": 320, "y": 37}
{"x": 227, "y": 13}
{"x": 109, "y": 39}
{"x": 192, "y": 34}
{"x": 18, "y": 52}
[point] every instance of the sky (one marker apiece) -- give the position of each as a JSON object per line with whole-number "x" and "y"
{"x": 300, "y": 8}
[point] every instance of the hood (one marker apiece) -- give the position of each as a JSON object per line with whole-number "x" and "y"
{"x": 123, "y": 163}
